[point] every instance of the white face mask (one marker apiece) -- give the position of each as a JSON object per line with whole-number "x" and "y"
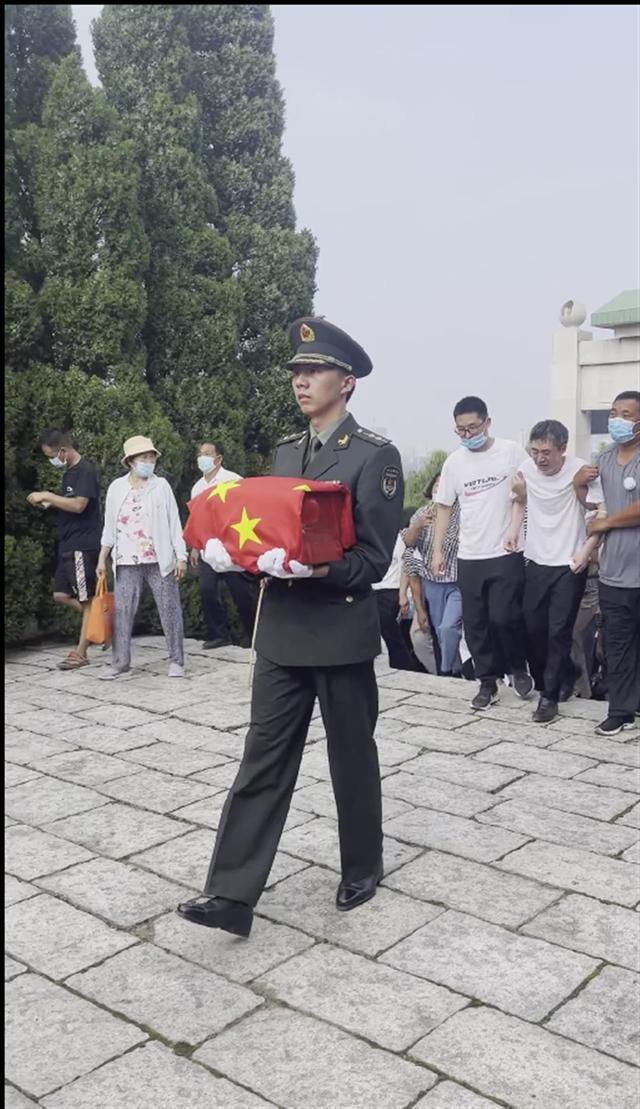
{"x": 59, "y": 463}
{"x": 144, "y": 469}
{"x": 206, "y": 464}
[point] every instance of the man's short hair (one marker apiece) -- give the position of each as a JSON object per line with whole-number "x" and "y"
{"x": 427, "y": 492}
{"x": 468, "y": 405}
{"x": 550, "y": 431}
{"x": 629, "y": 394}
{"x": 55, "y": 438}
{"x": 213, "y": 442}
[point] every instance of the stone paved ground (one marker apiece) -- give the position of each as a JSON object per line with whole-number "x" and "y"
{"x": 498, "y": 965}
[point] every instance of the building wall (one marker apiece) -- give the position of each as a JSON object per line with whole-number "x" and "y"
{"x": 587, "y": 374}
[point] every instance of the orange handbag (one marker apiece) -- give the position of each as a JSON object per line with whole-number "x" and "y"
{"x": 100, "y": 624}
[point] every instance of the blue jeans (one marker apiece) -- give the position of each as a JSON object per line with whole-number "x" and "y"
{"x": 444, "y": 601}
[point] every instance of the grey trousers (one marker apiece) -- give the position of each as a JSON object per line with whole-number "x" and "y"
{"x": 166, "y": 593}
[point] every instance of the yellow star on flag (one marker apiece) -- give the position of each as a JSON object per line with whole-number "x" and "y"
{"x": 222, "y": 489}
{"x": 245, "y": 529}
{"x": 304, "y": 488}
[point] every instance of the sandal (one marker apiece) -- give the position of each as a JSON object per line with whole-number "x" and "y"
{"x": 73, "y": 661}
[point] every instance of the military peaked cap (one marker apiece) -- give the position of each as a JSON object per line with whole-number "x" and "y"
{"x": 317, "y": 342}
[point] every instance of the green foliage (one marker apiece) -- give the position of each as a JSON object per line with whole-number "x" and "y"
{"x": 23, "y": 560}
{"x": 152, "y": 258}
{"x": 416, "y": 482}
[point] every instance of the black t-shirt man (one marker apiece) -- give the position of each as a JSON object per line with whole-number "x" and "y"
{"x": 80, "y": 531}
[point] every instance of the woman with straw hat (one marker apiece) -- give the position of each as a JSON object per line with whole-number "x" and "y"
{"x": 143, "y": 534}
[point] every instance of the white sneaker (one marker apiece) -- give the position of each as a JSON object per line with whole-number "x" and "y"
{"x": 176, "y": 671}
{"x": 111, "y": 675}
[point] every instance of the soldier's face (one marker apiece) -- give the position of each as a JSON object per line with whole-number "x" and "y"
{"x": 317, "y": 389}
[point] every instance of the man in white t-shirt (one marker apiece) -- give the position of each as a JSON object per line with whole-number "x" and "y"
{"x": 210, "y": 459}
{"x": 480, "y": 475}
{"x": 556, "y": 553}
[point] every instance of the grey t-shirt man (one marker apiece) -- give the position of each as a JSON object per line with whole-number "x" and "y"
{"x": 620, "y": 555}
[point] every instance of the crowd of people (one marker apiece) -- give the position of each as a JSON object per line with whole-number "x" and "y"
{"x": 499, "y": 576}
{"x": 528, "y": 561}
{"x": 522, "y": 565}
{"x": 141, "y": 535}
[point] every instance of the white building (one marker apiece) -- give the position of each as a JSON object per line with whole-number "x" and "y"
{"x": 588, "y": 373}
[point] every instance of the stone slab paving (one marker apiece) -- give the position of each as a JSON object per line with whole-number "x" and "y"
{"x": 30, "y": 853}
{"x": 527, "y": 1066}
{"x": 605, "y": 1014}
{"x": 516, "y": 974}
{"x": 57, "y": 939}
{"x": 295, "y": 1060}
{"x": 12, "y": 969}
{"x": 497, "y": 965}
{"x": 379, "y": 1003}
{"x": 449, "y": 1095}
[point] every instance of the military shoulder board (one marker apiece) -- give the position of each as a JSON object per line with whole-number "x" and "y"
{"x": 371, "y": 437}
{"x": 295, "y": 438}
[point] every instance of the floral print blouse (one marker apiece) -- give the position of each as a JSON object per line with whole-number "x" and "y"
{"x": 134, "y": 545}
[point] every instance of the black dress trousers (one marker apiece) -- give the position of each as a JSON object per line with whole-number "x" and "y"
{"x": 256, "y": 809}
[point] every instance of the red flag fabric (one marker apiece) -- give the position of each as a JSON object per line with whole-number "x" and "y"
{"x": 311, "y": 520}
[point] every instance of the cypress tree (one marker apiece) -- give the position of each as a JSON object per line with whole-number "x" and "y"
{"x": 76, "y": 314}
{"x": 228, "y": 268}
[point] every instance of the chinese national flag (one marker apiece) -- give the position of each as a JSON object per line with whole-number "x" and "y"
{"x": 311, "y": 520}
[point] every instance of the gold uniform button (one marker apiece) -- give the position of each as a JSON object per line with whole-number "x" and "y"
{"x": 349, "y": 600}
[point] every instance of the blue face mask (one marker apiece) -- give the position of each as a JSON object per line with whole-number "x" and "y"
{"x": 144, "y": 469}
{"x": 621, "y": 430}
{"x": 59, "y": 463}
{"x": 476, "y": 441}
{"x": 205, "y": 463}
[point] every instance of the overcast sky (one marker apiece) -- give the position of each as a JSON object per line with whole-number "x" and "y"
{"x": 465, "y": 170}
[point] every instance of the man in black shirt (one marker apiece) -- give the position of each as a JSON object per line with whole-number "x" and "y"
{"x": 79, "y": 531}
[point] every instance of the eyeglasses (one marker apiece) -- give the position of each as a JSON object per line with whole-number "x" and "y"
{"x": 473, "y": 429}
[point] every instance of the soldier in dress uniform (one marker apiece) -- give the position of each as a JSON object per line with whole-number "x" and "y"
{"x": 318, "y": 636}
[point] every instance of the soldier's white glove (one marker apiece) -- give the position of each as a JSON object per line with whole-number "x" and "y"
{"x": 218, "y": 558}
{"x": 272, "y": 563}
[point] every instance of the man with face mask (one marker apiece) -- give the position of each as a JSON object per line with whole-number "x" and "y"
{"x": 242, "y": 590}
{"x": 79, "y": 529}
{"x": 479, "y": 475}
{"x": 619, "y": 472}
{"x": 317, "y": 637}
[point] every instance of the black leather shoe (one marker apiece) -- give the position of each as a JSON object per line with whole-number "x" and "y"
{"x": 217, "y": 912}
{"x": 352, "y": 894}
{"x": 213, "y": 644}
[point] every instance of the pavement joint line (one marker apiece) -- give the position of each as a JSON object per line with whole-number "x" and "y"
{"x": 120, "y": 1055}
{"x": 148, "y": 1029}
{"x": 595, "y": 973}
{"x": 562, "y": 896}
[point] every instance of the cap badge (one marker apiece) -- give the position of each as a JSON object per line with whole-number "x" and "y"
{"x": 307, "y": 334}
